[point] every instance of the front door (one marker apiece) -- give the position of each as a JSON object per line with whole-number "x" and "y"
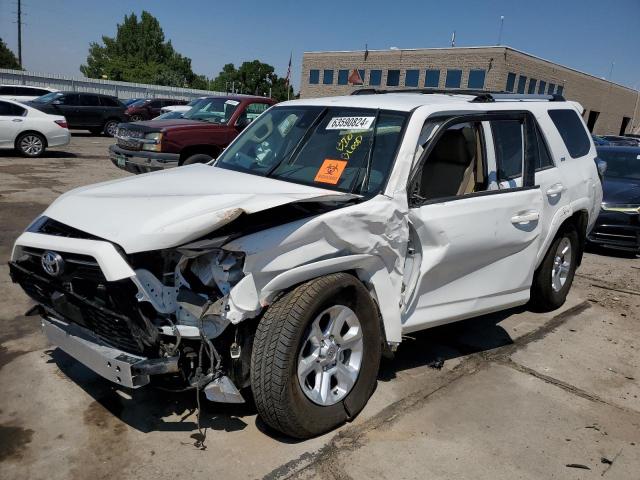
{"x": 475, "y": 240}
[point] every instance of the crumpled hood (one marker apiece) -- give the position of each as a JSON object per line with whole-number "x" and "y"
{"x": 168, "y": 208}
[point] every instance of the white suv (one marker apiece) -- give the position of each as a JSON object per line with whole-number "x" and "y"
{"x": 326, "y": 231}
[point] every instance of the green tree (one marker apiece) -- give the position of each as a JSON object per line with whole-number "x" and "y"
{"x": 254, "y": 78}
{"x": 7, "y": 57}
{"x": 139, "y": 53}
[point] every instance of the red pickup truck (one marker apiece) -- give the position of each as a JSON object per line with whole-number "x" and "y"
{"x": 198, "y": 137}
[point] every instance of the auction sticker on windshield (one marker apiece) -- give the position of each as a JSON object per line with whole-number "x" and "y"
{"x": 330, "y": 171}
{"x": 350, "y": 123}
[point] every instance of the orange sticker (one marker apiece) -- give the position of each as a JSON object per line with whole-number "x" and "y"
{"x": 330, "y": 171}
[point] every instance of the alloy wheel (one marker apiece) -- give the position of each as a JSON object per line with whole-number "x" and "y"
{"x": 561, "y": 264}
{"x": 331, "y": 355}
{"x": 31, "y": 145}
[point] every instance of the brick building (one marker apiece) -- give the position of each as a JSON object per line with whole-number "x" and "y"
{"x": 609, "y": 108}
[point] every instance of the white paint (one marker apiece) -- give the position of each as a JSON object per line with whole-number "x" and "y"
{"x": 11, "y": 126}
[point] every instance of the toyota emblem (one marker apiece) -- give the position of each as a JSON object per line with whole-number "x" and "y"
{"x": 52, "y": 263}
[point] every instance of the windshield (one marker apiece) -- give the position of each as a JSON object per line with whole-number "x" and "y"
{"x": 169, "y": 115}
{"x": 47, "y": 98}
{"x": 621, "y": 163}
{"x": 334, "y": 148}
{"x": 136, "y": 103}
{"x": 213, "y": 110}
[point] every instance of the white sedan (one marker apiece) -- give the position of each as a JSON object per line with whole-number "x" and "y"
{"x": 30, "y": 131}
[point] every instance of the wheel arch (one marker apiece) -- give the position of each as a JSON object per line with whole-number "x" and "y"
{"x": 367, "y": 268}
{"x": 24, "y": 132}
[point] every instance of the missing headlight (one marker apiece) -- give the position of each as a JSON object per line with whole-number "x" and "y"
{"x": 219, "y": 268}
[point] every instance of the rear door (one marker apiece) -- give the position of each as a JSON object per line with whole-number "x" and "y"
{"x": 11, "y": 123}
{"x": 475, "y": 240}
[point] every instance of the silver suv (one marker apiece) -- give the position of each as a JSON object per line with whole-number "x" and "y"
{"x": 328, "y": 229}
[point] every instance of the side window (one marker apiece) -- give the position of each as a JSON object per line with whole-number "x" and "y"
{"x": 543, "y": 159}
{"x": 155, "y": 103}
{"x": 69, "y": 99}
{"x": 7, "y": 90}
{"x": 572, "y": 131}
{"x": 89, "y": 101}
{"x": 509, "y": 148}
{"x": 455, "y": 166}
{"x": 109, "y": 102}
{"x": 6, "y": 109}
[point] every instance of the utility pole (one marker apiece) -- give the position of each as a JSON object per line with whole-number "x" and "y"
{"x": 20, "y": 32}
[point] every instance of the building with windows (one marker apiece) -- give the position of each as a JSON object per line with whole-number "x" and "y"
{"x": 609, "y": 108}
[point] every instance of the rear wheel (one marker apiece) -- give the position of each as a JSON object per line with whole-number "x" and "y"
{"x": 197, "y": 158}
{"x": 315, "y": 356}
{"x": 110, "y": 128}
{"x": 31, "y": 144}
{"x": 554, "y": 277}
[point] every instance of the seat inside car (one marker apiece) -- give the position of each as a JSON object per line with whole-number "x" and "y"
{"x": 449, "y": 166}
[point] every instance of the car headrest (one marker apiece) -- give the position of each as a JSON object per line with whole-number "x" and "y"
{"x": 452, "y": 147}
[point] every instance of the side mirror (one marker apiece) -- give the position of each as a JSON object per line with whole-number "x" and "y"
{"x": 602, "y": 166}
{"x": 242, "y": 123}
{"x": 56, "y": 102}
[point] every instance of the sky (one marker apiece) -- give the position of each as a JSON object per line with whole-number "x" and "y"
{"x": 588, "y": 35}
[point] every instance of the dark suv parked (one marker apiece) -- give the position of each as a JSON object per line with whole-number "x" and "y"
{"x": 150, "y": 108}
{"x": 85, "y": 111}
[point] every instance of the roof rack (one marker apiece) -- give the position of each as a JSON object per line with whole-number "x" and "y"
{"x": 481, "y": 96}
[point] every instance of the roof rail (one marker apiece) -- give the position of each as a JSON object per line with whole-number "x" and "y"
{"x": 480, "y": 95}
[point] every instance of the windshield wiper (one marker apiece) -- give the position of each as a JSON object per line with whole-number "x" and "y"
{"x": 369, "y": 157}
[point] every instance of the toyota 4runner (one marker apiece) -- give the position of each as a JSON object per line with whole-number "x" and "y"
{"x": 326, "y": 231}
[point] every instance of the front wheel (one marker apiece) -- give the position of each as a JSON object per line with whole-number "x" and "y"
{"x": 110, "y": 128}
{"x": 197, "y": 158}
{"x": 31, "y": 144}
{"x": 553, "y": 279}
{"x": 316, "y": 355}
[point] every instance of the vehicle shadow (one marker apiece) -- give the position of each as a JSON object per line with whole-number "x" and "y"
{"x": 150, "y": 409}
{"x": 47, "y": 154}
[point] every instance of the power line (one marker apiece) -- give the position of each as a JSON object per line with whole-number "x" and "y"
{"x": 20, "y": 32}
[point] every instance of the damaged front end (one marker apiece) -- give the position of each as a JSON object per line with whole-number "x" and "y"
{"x": 166, "y": 325}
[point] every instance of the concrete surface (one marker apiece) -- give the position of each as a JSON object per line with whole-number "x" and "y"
{"x": 520, "y": 395}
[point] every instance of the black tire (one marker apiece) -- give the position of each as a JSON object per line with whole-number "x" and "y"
{"x": 31, "y": 144}
{"x": 278, "y": 396}
{"x": 110, "y": 127}
{"x": 197, "y": 158}
{"x": 544, "y": 297}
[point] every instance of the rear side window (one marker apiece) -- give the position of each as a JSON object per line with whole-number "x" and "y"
{"x": 572, "y": 131}
{"x": 7, "y": 90}
{"x": 89, "y": 100}
{"x": 543, "y": 159}
{"x": 109, "y": 102}
{"x": 69, "y": 99}
{"x": 507, "y": 139}
{"x": 10, "y": 110}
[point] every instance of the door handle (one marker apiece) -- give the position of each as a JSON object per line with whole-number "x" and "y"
{"x": 555, "y": 189}
{"x": 16, "y": 120}
{"x": 525, "y": 216}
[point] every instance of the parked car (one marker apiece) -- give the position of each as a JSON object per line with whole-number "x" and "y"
{"x": 618, "y": 225}
{"x": 30, "y": 131}
{"x": 198, "y": 137}
{"x": 622, "y": 141}
{"x": 84, "y": 111}
{"x": 598, "y": 140}
{"x": 181, "y": 108}
{"x": 329, "y": 229}
{"x": 23, "y": 93}
{"x": 150, "y": 108}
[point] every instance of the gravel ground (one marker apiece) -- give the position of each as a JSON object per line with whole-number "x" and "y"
{"x": 520, "y": 395}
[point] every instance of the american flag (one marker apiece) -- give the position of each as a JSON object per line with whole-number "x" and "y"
{"x": 289, "y": 70}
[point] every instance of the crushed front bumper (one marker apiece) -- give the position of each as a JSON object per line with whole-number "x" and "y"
{"x": 120, "y": 367}
{"x": 140, "y": 161}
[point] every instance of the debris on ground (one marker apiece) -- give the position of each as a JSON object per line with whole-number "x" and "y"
{"x": 437, "y": 364}
{"x": 578, "y": 465}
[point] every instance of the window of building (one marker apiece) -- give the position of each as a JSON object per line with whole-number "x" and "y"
{"x": 343, "y": 77}
{"x": 624, "y": 124}
{"x": 541, "y": 86}
{"x": 393, "y": 78}
{"x": 572, "y": 131}
{"x": 532, "y": 85}
{"x": 476, "y": 79}
{"x": 454, "y": 77}
{"x": 511, "y": 81}
{"x": 522, "y": 82}
{"x": 411, "y": 78}
{"x": 314, "y": 77}
{"x": 552, "y": 88}
{"x": 432, "y": 78}
{"x": 560, "y": 90}
{"x": 327, "y": 77}
{"x": 507, "y": 139}
{"x": 592, "y": 119}
{"x": 375, "y": 77}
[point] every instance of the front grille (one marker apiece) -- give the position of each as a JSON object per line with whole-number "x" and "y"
{"x": 127, "y": 138}
{"x": 82, "y": 295}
